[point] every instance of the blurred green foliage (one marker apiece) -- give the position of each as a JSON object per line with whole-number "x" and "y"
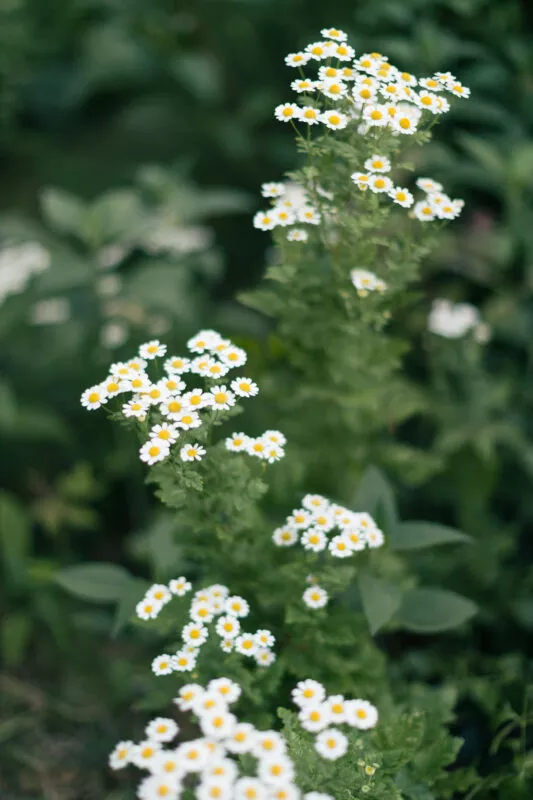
{"x": 93, "y": 91}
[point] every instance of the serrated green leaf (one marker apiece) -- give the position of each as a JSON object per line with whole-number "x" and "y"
{"x": 63, "y": 211}
{"x": 434, "y": 610}
{"x": 380, "y": 599}
{"x": 97, "y": 583}
{"x": 414, "y": 535}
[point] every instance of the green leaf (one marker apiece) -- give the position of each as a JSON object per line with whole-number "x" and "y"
{"x": 14, "y": 635}
{"x": 14, "y": 536}
{"x": 375, "y": 496}
{"x": 63, "y": 211}
{"x": 434, "y": 610}
{"x": 97, "y": 583}
{"x": 380, "y": 600}
{"x": 414, "y": 535}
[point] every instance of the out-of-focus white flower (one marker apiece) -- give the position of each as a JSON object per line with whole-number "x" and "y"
{"x": 454, "y": 320}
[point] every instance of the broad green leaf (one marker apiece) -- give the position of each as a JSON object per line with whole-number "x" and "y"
{"x": 14, "y": 635}
{"x": 375, "y": 496}
{"x": 380, "y": 600}
{"x": 97, "y": 583}
{"x": 14, "y": 536}
{"x": 63, "y": 211}
{"x": 414, "y": 535}
{"x": 434, "y": 610}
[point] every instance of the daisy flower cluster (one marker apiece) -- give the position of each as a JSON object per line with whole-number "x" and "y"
{"x": 174, "y": 411}
{"x": 319, "y": 713}
{"x": 211, "y": 609}
{"x": 210, "y": 765}
{"x": 434, "y": 205}
{"x": 314, "y": 522}
{"x": 367, "y": 90}
{"x": 290, "y": 209}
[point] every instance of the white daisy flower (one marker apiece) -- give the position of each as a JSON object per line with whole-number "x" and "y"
{"x": 242, "y": 738}
{"x": 233, "y": 356}
{"x": 156, "y": 393}
{"x": 275, "y": 770}
{"x": 180, "y": 586}
{"x": 365, "y": 91}
{"x": 324, "y": 520}
{"x": 407, "y": 79}
{"x": 237, "y": 442}
{"x": 311, "y": 116}
{"x": 177, "y": 365}
{"x": 297, "y": 235}
{"x": 148, "y": 608}
{"x": 284, "y": 216}
{"x": 284, "y": 537}
{"x": 337, "y": 708}
{"x": 155, "y": 786}
{"x": 113, "y": 386}
{"x": 331, "y": 744}
{"x": 334, "y": 33}
{"x": 256, "y": 447}
{"x": 377, "y": 163}
{"x": 228, "y": 689}
{"x": 264, "y": 657}
{"x": 314, "y": 539}
{"x": 355, "y": 538}
{"x": 309, "y": 215}
{"x": 162, "y": 665}
{"x": 244, "y": 387}
{"x": 187, "y": 696}
{"x": 140, "y": 383}
{"x": 287, "y": 112}
{"x": 167, "y": 764}
{"x": 187, "y": 420}
{"x": 302, "y": 86}
{"x": 361, "y": 714}
{"x": 315, "y": 502}
{"x": 339, "y": 546}
{"x": 265, "y": 220}
{"x": 201, "y": 611}
{"x": 152, "y": 349}
{"x": 203, "y": 341}
{"x": 457, "y": 88}
{"x": 361, "y": 179}
{"x": 218, "y": 725}
{"x": 319, "y": 50}
{"x": 184, "y": 661}
{"x": 227, "y": 645}
{"x": 173, "y": 406}
{"x": 162, "y": 729}
{"x": 405, "y": 120}
{"x": 192, "y": 452}
{"x": 236, "y": 606}
{"x": 145, "y": 753}
{"x": 194, "y": 634}
{"x": 315, "y": 597}
{"x": 380, "y": 183}
{"x": 375, "y": 537}
{"x": 273, "y": 452}
{"x": 375, "y": 115}
{"x": 268, "y": 744}
{"x": 246, "y": 644}
{"x": 297, "y": 59}
{"x": 264, "y": 638}
{"x": 424, "y": 211}
{"x": 299, "y": 519}
{"x": 168, "y": 433}
{"x": 153, "y": 451}
{"x": 333, "y": 88}
{"x": 194, "y": 755}
{"x": 93, "y": 398}
{"x": 315, "y": 716}
{"x": 272, "y": 189}
{"x": 120, "y": 756}
{"x": 343, "y": 52}
{"x": 401, "y": 196}
{"x": 172, "y": 385}
{"x": 249, "y": 789}
{"x": 308, "y": 691}
{"x": 160, "y": 593}
{"x": 221, "y": 398}
{"x": 197, "y": 399}
{"x": 429, "y": 185}
{"x": 427, "y": 101}
{"x": 276, "y": 437}
{"x": 335, "y": 120}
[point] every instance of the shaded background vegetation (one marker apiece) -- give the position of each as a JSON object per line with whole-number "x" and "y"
{"x": 118, "y": 117}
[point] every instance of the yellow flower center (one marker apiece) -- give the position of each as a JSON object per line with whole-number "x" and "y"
{"x": 334, "y": 119}
{"x": 154, "y": 450}
{"x": 122, "y": 753}
{"x": 287, "y": 112}
{"x": 331, "y": 743}
{"x": 361, "y": 713}
{"x": 375, "y": 114}
{"x": 314, "y": 538}
{"x": 152, "y": 348}
{"x": 164, "y": 434}
{"x": 112, "y": 387}
{"x": 377, "y": 164}
{"x": 258, "y": 447}
{"x": 335, "y": 88}
{"x": 171, "y": 384}
{"x": 426, "y": 100}
{"x": 315, "y": 597}
{"x": 309, "y": 113}
{"x": 309, "y": 693}
{"x": 405, "y": 123}
{"x": 314, "y": 716}
{"x": 331, "y": 72}
{"x": 337, "y": 708}
{"x": 247, "y": 644}
{"x": 177, "y": 363}
{"x": 401, "y": 196}
{"x": 147, "y": 752}
{"x": 136, "y": 383}
{"x": 380, "y": 183}
{"x": 192, "y": 755}
{"x": 240, "y": 736}
{"x": 215, "y": 791}
{"x": 187, "y": 419}
{"x": 221, "y": 397}
{"x": 94, "y": 397}
{"x": 276, "y": 769}
{"x": 317, "y": 51}
{"x": 268, "y": 220}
